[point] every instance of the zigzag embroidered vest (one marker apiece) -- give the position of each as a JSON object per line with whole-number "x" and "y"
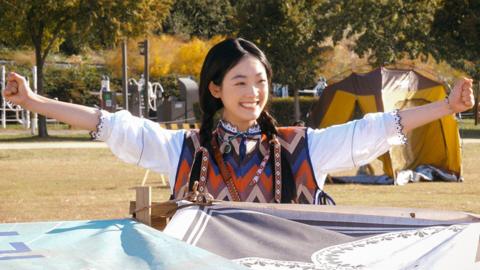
{"x": 293, "y": 141}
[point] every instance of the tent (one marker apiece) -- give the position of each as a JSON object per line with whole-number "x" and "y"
{"x": 436, "y": 144}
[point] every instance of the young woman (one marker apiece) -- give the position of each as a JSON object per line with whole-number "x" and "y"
{"x": 245, "y": 157}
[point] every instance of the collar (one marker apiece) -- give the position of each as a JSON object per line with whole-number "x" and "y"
{"x": 231, "y": 128}
{"x": 242, "y": 142}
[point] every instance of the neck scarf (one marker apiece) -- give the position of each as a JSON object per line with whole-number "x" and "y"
{"x": 231, "y": 139}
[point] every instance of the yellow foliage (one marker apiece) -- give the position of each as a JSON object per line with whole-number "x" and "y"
{"x": 23, "y": 57}
{"x": 190, "y": 56}
{"x": 162, "y": 54}
{"x": 341, "y": 61}
{"x": 168, "y": 55}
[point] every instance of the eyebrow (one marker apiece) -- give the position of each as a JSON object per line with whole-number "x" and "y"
{"x": 239, "y": 76}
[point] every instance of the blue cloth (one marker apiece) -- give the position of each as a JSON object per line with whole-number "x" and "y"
{"x": 99, "y": 244}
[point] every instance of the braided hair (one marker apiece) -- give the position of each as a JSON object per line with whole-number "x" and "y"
{"x": 219, "y": 60}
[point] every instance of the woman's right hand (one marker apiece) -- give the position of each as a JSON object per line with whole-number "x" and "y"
{"x": 17, "y": 90}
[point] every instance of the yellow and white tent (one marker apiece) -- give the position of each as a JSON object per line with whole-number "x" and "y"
{"x": 436, "y": 144}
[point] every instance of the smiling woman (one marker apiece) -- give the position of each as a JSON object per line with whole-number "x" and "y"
{"x": 245, "y": 156}
{"x": 244, "y": 92}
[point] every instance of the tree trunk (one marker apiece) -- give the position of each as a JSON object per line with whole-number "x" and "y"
{"x": 42, "y": 120}
{"x": 296, "y": 103}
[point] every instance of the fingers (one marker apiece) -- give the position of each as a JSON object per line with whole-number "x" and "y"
{"x": 468, "y": 101}
{"x": 19, "y": 81}
{"x": 12, "y": 76}
{"x": 11, "y": 89}
{"x": 467, "y": 92}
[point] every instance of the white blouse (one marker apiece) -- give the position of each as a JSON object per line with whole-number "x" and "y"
{"x": 145, "y": 143}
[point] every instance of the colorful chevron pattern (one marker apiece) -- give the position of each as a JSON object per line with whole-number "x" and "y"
{"x": 294, "y": 143}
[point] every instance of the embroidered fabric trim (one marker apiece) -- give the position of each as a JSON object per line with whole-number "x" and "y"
{"x": 399, "y": 127}
{"x": 229, "y": 137}
{"x": 255, "y": 128}
{"x": 98, "y": 132}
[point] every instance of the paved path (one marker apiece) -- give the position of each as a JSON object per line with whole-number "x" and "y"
{"x": 72, "y": 144}
{"x": 51, "y": 145}
{"x": 467, "y": 141}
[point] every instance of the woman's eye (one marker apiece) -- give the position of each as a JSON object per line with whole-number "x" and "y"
{"x": 240, "y": 83}
{"x": 262, "y": 81}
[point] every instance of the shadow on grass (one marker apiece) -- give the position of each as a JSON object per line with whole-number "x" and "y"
{"x": 470, "y": 133}
{"x": 29, "y": 138}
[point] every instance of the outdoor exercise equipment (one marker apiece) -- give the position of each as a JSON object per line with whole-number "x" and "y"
{"x": 138, "y": 104}
{"x": 177, "y": 110}
{"x": 14, "y": 113}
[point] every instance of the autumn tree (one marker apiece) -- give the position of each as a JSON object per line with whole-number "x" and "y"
{"x": 287, "y": 31}
{"x": 456, "y": 35}
{"x": 201, "y": 18}
{"x": 388, "y": 31}
{"x": 44, "y": 24}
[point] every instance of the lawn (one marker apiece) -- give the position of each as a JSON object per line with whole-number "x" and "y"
{"x": 66, "y": 184}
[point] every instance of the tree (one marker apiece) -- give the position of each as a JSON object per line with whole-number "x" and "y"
{"x": 384, "y": 30}
{"x": 286, "y": 30}
{"x": 200, "y": 18}
{"x": 388, "y": 31}
{"x": 456, "y": 35}
{"x": 44, "y": 24}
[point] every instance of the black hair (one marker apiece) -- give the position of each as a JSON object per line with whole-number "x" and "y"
{"x": 219, "y": 60}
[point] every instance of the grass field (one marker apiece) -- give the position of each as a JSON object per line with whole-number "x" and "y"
{"x": 67, "y": 184}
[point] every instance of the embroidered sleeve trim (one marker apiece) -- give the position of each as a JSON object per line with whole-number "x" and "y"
{"x": 97, "y": 134}
{"x": 399, "y": 130}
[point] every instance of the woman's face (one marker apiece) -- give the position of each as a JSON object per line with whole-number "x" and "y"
{"x": 244, "y": 92}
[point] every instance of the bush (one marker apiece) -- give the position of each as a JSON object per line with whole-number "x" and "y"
{"x": 75, "y": 84}
{"x": 282, "y": 109}
{"x": 169, "y": 84}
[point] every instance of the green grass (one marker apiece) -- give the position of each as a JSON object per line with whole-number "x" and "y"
{"x": 438, "y": 195}
{"x": 62, "y": 132}
{"x": 57, "y": 132}
{"x": 468, "y": 129}
{"x": 34, "y": 138}
{"x": 50, "y": 126}
{"x": 66, "y": 184}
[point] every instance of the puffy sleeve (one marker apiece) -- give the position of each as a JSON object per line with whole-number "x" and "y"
{"x": 140, "y": 141}
{"x": 353, "y": 144}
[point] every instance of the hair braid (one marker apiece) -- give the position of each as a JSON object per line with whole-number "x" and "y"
{"x": 268, "y": 124}
{"x": 206, "y": 129}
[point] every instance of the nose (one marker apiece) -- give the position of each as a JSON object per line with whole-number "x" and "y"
{"x": 252, "y": 91}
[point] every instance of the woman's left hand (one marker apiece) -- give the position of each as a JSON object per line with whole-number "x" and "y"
{"x": 461, "y": 97}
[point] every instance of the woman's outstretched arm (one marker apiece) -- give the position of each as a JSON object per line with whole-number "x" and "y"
{"x": 460, "y": 99}
{"x": 18, "y": 92}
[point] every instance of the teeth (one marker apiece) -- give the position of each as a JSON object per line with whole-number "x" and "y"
{"x": 249, "y": 104}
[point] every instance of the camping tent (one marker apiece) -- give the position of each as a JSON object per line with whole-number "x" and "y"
{"x": 436, "y": 144}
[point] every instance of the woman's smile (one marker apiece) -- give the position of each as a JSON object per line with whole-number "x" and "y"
{"x": 244, "y": 92}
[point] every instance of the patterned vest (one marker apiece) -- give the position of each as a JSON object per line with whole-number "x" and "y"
{"x": 293, "y": 141}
